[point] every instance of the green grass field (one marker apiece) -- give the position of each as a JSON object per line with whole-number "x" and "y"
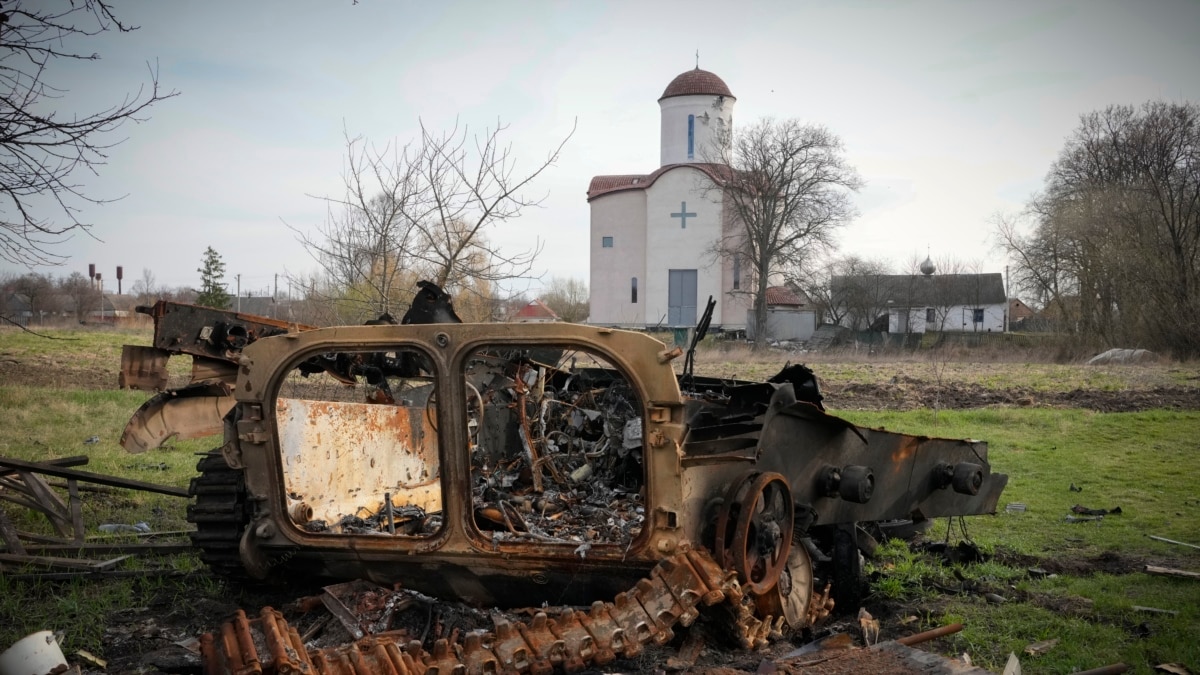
{"x": 1143, "y": 462}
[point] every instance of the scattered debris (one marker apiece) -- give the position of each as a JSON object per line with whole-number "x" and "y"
{"x": 1075, "y": 488}
{"x": 1041, "y": 647}
{"x": 1085, "y": 511}
{"x": 91, "y": 440}
{"x": 1015, "y": 507}
{"x": 1155, "y": 610}
{"x": 869, "y": 626}
{"x": 1173, "y": 668}
{"x": 1013, "y": 665}
{"x": 117, "y": 528}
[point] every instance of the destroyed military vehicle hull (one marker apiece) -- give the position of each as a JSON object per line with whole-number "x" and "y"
{"x": 521, "y": 464}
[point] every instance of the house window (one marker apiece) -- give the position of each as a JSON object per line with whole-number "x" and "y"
{"x": 606, "y": 242}
{"x": 633, "y": 290}
{"x": 977, "y": 315}
{"x": 929, "y": 315}
{"x": 737, "y": 272}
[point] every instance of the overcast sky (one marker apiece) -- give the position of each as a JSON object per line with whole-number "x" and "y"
{"x": 950, "y": 111}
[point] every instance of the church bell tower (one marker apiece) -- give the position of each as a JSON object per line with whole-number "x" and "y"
{"x": 697, "y": 118}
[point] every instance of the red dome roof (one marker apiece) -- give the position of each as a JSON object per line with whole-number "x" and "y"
{"x": 694, "y": 82}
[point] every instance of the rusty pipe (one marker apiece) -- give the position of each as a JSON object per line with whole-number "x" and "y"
{"x": 928, "y": 635}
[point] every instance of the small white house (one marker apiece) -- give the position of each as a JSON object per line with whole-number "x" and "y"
{"x": 916, "y": 303}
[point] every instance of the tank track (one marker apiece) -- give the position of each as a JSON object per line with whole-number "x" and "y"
{"x": 219, "y": 514}
{"x": 570, "y": 641}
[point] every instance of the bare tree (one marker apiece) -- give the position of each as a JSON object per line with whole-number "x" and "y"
{"x": 84, "y": 295}
{"x": 846, "y": 288}
{"x": 43, "y": 148}
{"x": 568, "y": 297}
{"x": 788, "y": 190}
{"x": 365, "y": 244}
{"x": 146, "y": 288}
{"x": 424, "y": 210}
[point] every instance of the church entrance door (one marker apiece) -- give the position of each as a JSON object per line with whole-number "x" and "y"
{"x": 681, "y": 298}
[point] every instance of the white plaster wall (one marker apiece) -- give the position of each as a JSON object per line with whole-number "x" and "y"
{"x": 955, "y": 317}
{"x": 622, "y": 216}
{"x": 675, "y": 111}
{"x": 669, "y": 247}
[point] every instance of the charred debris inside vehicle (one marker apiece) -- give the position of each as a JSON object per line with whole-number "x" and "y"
{"x": 517, "y": 465}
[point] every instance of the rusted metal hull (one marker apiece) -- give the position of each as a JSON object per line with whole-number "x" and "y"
{"x": 449, "y": 456}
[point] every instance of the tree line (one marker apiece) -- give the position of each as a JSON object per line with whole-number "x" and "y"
{"x": 1110, "y": 247}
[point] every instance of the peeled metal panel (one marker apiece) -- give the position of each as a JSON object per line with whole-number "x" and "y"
{"x": 194, "y": 411}
{"x": 340, "y": 458}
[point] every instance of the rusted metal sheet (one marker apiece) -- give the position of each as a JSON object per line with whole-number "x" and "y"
{"x": 143, "y": 368}
{"x": 192, "y": 412}
{"x": 341, "y": 458}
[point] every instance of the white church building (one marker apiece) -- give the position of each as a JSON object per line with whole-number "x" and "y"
{"x": 652, "y": 235}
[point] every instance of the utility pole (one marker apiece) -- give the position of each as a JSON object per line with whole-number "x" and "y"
{"x": 239, "y": 291}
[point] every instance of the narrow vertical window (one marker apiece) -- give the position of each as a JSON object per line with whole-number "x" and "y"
{"x": 737, "y": 272}
{"x": 633, "y": 290}
{"x": 691, "y": 136}
{"x": 929, "y": 317}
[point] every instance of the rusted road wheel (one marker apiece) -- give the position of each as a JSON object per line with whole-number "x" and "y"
{"x": 793, "y": 593}
{"x": 754, "y": 530}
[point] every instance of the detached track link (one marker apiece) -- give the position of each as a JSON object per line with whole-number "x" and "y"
{"x": 219, "y": 514}
{"x": 570, "y": 641}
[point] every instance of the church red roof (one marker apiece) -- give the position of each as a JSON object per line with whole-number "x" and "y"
{"x": 602, "y": 185}
{"x": 696, "y": 82}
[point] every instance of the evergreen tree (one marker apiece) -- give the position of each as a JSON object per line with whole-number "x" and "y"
{"x": 212, "y": 291}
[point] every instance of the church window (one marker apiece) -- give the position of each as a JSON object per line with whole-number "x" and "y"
{"x": 633, "y": 290}
{"x": 929, "y": 315}
{"x": 737, "y": 272}
{"x": 977, "y": 315}
{"x": 606, "y": 242}
{"x": 691, "y": 136}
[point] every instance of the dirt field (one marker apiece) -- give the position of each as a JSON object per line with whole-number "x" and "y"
{"x": 888, "y": 392}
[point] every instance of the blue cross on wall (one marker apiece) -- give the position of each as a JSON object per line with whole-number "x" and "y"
{"x": 683, "y": 215}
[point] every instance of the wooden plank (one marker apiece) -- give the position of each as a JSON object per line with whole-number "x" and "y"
{"x": 76, "y": 510}
{"x": 9, "y": 534}
{"x": 1172, "y": 541}
{"x": 1170, "y": 572}
{"x": 89, "y": 477}
{"x": 75, "y": 460}
{"x": 49, "y": 561}
{"x": 56, "y": 508}
{"x": 153, "y": 548}
{"x": 104, "y": 574}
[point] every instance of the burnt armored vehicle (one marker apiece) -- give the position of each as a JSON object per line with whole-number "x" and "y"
{"x": 516, "y": 464}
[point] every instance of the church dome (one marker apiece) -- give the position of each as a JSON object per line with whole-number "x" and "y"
{"x": 696, "y": 82}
